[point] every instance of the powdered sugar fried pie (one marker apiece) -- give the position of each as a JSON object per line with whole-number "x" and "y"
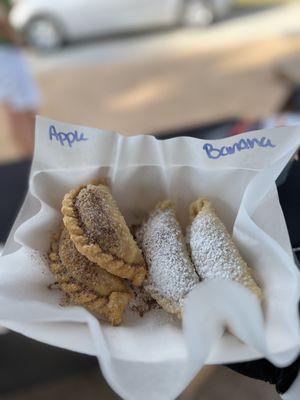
{"x": 171, "y": 273}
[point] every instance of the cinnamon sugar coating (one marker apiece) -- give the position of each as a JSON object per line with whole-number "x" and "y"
{"x": 99, "y": 232}
{"x": 85, "y": 284}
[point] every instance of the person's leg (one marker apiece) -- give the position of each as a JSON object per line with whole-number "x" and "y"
{"x": 21, "y": 124}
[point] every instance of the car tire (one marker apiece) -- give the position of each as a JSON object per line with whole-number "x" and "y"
{"x": 44, "y": 33}
{"x": 197, "y": 13}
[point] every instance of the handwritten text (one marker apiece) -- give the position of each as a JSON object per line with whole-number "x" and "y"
{"x": 68, "y": 138}
{"x": 243, "y": 144}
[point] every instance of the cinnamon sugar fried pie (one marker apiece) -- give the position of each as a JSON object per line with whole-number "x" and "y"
{"x": 84, "y": 283}
{"x": 99, "y": 232}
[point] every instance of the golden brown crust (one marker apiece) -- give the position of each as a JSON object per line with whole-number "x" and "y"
{"x": 114, "y": 249}
{"x": 85, "y": 271}
{"x": 199, "y": 205}
{"x": 167, "y": 305}
{"x": 105, "y": 295}
{"x": 163, "y": 205}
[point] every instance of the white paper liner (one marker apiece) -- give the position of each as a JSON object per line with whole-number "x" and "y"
{"x": 154, "y": 357}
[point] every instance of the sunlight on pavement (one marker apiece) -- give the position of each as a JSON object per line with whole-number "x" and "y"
{"x": 141, "y": 95}
{"x": 254, "y": 56}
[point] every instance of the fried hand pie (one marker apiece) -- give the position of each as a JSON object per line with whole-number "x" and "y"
{"x": 99, "y": 232}
{"x": 213, "y": 251}
{"x": 171, "y": 274}
{"x": 85, "y": 284}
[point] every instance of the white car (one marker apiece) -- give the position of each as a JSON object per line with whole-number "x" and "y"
{"x": 47, "y": 24}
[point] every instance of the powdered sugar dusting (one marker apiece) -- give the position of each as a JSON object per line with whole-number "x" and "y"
{"x": 214, "y": 253}
{"x": 171, "y": 273}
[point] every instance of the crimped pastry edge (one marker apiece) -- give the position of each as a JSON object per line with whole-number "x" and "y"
{"x": 114, "y": 265}
{"x": 113, "y": 305}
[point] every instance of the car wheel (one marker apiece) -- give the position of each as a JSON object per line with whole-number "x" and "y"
{"x": 197, "y": 13}
{"x": 44, "y": 33}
